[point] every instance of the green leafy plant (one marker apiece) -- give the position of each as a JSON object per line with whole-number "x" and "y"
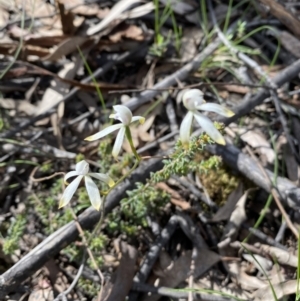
{"x": 14, "y": 234}
{"x": 89, "y": 287}
{"x": 142, "y": 201}
{"x": 160, "y": 44}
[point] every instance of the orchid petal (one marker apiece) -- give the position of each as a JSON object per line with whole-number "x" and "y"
{"x": 103, "y": 177}
{"x": 192, "y": 98}
{"x": 82, "y": 167}
{"x": 123, "y": 114}
{"x": 118, "y": 142}
{"x": 185, "y": 128}
{"x": 69, "y": 192}
{"x": 213, "y": 107}
{"x": 69, "y": 175}
{"x": 93, "y": 192}
{"x": 104, "y": 132}
{"x": 209, "y": 128}
{"x": 141, "y": 119}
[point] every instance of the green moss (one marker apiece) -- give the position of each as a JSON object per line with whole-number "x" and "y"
{"x": 219, "y": 183}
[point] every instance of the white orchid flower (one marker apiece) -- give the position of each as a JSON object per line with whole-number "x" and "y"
{"x": 125, "y": 116}
{"x": 193, "y": 101}
{"x": 82, "y": 172}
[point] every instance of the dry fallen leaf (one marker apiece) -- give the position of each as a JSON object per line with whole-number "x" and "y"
{"x": 55, "y": 93}
{"x": 65, "y": 48}
{"x": 117, "y": 288}
{"x": 237, "y": 217}
{"x": 290, "y": 163}
{"x": 42, "y": 295}
{"x": 256, "y": 139}
{"x": 128, "y": 31}
{"x": 40, "y": 9}
{"x": 281, "y": 256}
{"x": 281, "y": 290}
{"x": 190, "y": 41}
{"x": 79, "y": 7}
{"x": 225, "y": 211}
{"x": 4, "y": 16}
{"x": 23, "y": 106}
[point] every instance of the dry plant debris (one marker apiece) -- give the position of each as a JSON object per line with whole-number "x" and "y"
{"x": 196, "y": 222}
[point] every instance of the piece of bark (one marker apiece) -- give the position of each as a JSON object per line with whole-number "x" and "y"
{"x": 61, "y": 238}
{"x": 118, "y": 288}
{"x": 67, "y": 19}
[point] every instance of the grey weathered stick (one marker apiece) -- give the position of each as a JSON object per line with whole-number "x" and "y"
{"x": 36, "y": 258}
{"x": 280, "y": 79}
{"x": 173, "y": 79}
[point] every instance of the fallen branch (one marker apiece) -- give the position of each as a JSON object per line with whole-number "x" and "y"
{"x": 61, "y": 238}
{"x": 173, "y": 79}
{"x": 285, "y": 76}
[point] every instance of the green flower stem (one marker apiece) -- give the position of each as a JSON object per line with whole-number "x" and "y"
{"x": 105, "y": 195}
{"x": 96, "y": 229}
{"x": 129, "y": 138}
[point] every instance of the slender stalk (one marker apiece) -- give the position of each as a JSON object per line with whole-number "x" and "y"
{"x": 129, "y": 138}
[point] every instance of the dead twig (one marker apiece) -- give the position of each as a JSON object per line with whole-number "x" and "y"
{"x": 99, "y": 72}
{"x": 172, "y": 79}
{"x": 33, "y": 179}
{"x": 61, "y": 238}
{"x": 63, "y": 296}
{"x": 275, "y": 194}
{"x": 176, "y": 220}
{"x": 252, "y": 64}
